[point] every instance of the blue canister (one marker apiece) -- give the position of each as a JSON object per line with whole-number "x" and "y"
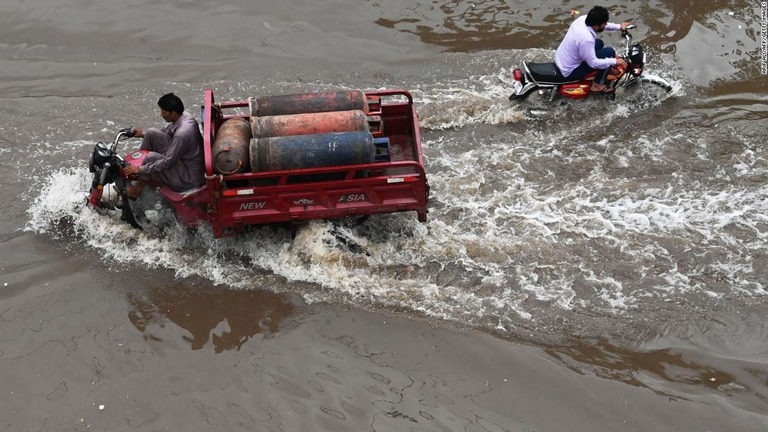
{"x": 311, "y": 151}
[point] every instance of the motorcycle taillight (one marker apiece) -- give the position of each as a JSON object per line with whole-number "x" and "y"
{"x": 517, "y": 74}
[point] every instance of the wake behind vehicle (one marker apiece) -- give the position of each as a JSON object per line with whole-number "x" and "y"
{"x": 290, "y": 158}
{"x": 547, "y": 79}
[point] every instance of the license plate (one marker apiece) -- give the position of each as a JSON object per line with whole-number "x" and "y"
{"x": 518, "y": 86}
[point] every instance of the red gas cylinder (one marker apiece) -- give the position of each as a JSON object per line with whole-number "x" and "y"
{"x": 230, "y": 148}
{"x": 309, "y": 103}
{"x": 308, "y": 124}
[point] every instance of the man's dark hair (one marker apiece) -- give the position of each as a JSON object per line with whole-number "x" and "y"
{"x": 171, "y": 103}
{"x": 598, "y": 15}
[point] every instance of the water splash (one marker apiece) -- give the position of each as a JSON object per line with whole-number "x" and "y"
{"x": 529, "y": 222}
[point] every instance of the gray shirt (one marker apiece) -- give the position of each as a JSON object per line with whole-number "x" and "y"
{"x": 180, "y": 160}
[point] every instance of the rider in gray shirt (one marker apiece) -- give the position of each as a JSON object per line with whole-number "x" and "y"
{"x": 176, "y": 156}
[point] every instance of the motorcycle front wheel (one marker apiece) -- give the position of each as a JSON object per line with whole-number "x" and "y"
{"x": 125, "y": 204}
{"x": 657, "y": 81}
{"x": 646, "y": 90}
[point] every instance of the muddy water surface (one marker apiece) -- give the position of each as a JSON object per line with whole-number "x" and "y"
{"x": 600, "y": 267}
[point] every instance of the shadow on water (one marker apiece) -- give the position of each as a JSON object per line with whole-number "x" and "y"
{"x": 625, "y": 365}
{"x": 226, "y": 318}
{"x": 678, "y": 374}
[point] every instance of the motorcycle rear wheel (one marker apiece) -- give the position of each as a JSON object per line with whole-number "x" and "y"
{"x": 518, "y": 97}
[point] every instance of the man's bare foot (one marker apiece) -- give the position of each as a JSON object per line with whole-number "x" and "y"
{"x": 601, "y": 88}
{"x": 134, "y": 189}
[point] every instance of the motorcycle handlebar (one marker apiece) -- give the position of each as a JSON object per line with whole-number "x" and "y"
{"x": 122, "y": 133}
{"x": 128, "y": 132}
{"x": 628, "y": 37}
{"x": 625, "y": 30}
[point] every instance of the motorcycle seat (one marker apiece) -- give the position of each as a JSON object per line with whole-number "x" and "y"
{"x": 547, "y": 73}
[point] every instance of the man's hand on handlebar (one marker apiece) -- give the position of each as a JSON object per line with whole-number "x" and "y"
{"x": 127, "y": 132}
{"x": 131, "y": 170}
{"x": 131, "y": 132}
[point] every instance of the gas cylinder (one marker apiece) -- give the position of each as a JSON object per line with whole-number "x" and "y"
{"x": 309, "y": 124}
{"x": 230, "y": 148}
{"x": 311, "y": 151}
{"x": 308, "y": 103}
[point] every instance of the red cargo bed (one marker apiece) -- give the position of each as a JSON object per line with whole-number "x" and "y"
{"x": 395, "y": 182}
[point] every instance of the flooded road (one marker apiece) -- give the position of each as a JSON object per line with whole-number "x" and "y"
{"x": 598, "y": 267}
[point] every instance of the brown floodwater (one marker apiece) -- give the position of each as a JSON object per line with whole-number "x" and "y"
{"x": 602, "y": 268}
